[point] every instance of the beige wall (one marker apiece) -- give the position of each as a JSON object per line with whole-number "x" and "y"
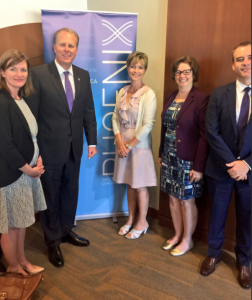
{"x": 16, "y": 12}
{"x": 151, "y": 39}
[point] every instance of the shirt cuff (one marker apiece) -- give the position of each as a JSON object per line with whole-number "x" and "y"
{"x": 92, "y": 146}
{"x": 247, "y": 165}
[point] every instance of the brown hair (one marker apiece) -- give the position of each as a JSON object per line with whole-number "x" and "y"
{"x": 9, "y": 59}
{"x": 66, "y": 30}
{"x": 242, "y": 44}
{"x": 191, "y": 61}
{"x": 134, "y": 58}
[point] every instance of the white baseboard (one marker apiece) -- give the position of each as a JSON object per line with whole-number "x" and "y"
{"x": 102, "y": 216}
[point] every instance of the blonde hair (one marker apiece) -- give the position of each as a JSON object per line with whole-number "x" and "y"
{"x": 9, "y": 59}
{"x": 137, "y": 56}
{"x": 66, "y": 30}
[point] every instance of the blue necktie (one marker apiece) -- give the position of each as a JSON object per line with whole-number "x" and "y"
{"x": 69, "y": 91}
{"x": 243, "y": 119}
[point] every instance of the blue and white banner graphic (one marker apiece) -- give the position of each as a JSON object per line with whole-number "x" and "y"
{"x": 106, "y": 40}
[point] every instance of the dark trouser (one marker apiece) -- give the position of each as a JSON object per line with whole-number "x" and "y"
{"x": 61, "y": 186}
{"x": 220, "y": 194}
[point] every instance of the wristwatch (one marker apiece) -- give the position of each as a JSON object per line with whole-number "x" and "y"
{"x": 128, "y": 146}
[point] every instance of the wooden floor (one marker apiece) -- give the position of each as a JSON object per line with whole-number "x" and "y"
{"x": 114, "y": 268}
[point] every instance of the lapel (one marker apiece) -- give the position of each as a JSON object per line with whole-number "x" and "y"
{"x": 19, "y": 112}
{"x": 189, "y": 99}
{"x": 77, "y": 83}
{"x": 56, "y": 80}
{"x": 168, "y": 102}
{"x": 231, "y": 102}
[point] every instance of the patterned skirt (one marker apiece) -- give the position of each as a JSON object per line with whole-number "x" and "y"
{"x": 19, "y": 200}
{"x": 175, "y": 178}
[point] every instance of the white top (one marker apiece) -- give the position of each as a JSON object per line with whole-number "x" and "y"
{"x": 239, "y": 96}
{"x": 145, "y": 118}
{"x": 62, "y": 76}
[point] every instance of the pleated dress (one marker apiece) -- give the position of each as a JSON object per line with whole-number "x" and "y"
{"x": 137, "y": 169}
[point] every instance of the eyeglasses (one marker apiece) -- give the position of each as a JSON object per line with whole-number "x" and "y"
{"x": 185, "y": 72}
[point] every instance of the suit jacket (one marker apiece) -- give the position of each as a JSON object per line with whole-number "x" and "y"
{"x": 221, "y": 133}
{"x": 16, "y": 146}
{"x": 190, "y": 128}
{"x": 58, "y": 127}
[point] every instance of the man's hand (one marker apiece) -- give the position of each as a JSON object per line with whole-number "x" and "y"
{"x": 159, "y": 161}
{"x": 91, "y": 152}
{"x": 238, "y": 170}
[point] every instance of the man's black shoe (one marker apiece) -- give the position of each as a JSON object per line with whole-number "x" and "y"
{"x": 75, "y": 240}
{"x": 55, "y": 256}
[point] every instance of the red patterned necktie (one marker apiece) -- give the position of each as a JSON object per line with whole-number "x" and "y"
{"x": 69, "y": 91}
{"x": 243, "y": 119}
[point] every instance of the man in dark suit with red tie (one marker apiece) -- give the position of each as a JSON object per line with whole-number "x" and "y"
{"x": 228, "y": 169}
{"x": 63, "y": 105}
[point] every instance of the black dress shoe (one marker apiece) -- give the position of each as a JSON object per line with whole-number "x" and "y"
{"x": 55, "y": 256}
{"x": 208, "y": 266}
{"x": 75, "y": 240}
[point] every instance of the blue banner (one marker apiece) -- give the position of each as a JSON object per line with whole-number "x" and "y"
{"x": 106, "y": 40}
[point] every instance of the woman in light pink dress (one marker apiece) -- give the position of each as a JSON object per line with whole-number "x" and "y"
{"x": 133, "y": 120}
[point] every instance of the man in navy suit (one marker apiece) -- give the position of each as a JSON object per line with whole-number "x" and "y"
{"x": 63, "y": 104}
{"x": 228, "y": 169}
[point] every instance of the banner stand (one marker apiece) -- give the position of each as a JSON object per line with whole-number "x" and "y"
{"x": 106, "y": 40}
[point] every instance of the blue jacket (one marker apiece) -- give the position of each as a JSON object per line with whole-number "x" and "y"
{"x": 221, "y": 133}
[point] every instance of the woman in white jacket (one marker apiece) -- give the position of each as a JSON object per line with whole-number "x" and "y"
{"x": 133, "y": 120}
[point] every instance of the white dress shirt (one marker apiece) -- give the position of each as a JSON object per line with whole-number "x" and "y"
{"x": 239, "y": 96}
{"x": 62, "y": 76}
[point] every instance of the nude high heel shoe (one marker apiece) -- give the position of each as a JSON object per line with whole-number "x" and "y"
{"x": 36, "y": 271}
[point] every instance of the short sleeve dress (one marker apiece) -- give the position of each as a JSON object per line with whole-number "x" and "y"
{"x": 19, "y": 200}
{"x": 175, "y": 172}
{"x": 137, "y": 169}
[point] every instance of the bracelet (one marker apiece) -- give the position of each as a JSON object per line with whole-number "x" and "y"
{"x": 128, "y": 146}
{"x": 119, "y": 141}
